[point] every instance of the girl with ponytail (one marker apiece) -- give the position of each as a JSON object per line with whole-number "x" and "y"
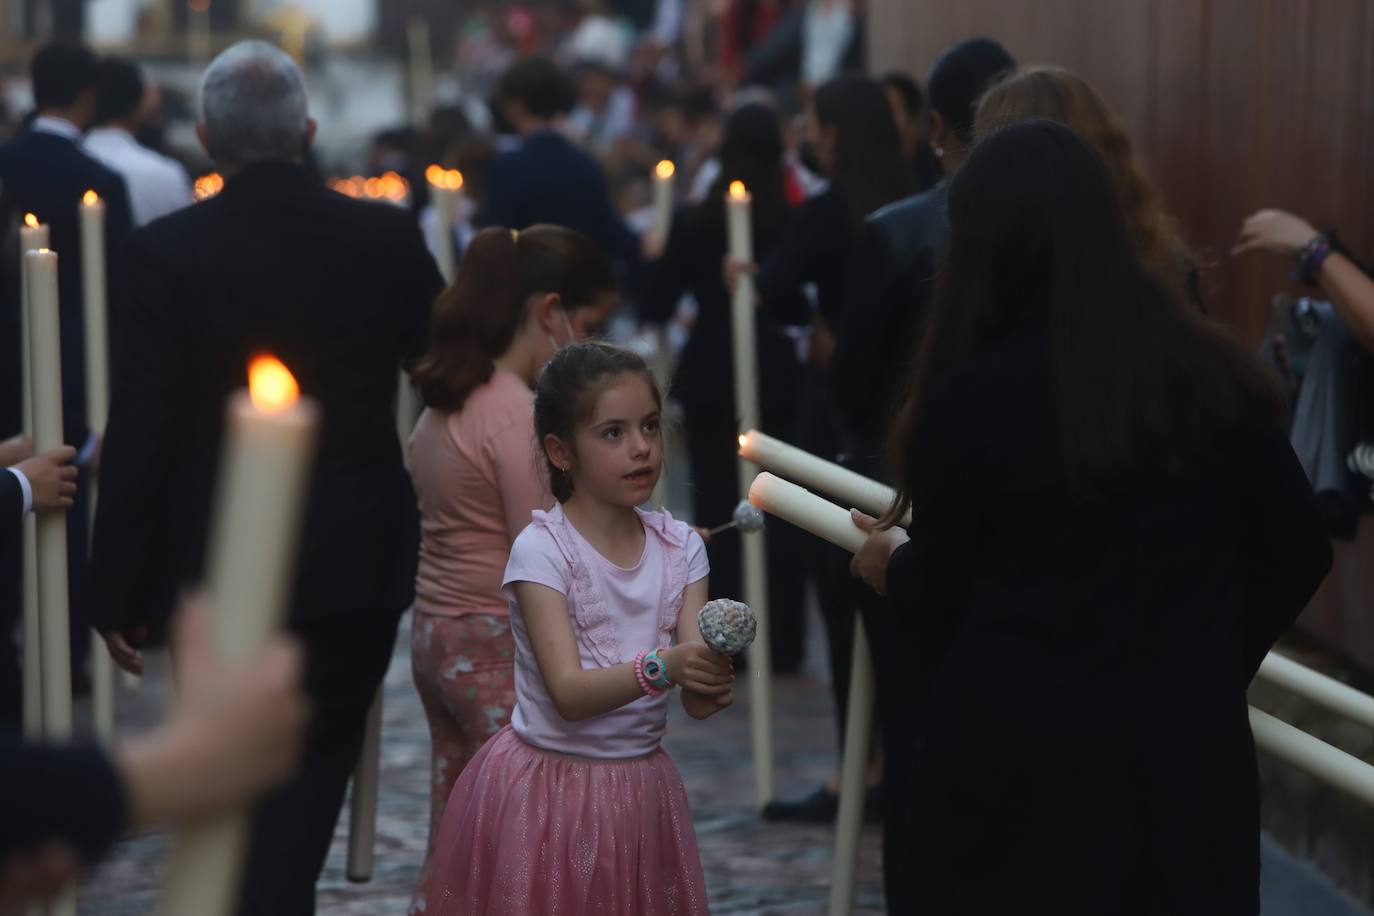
{"x": 518, "y": 299}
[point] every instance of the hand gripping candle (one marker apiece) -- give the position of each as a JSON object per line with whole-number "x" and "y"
{"x": 269, "y": 444}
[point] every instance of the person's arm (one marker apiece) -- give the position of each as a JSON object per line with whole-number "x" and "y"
{"x": 233, "y": 732}
{"x": 1349, "y": 288}
{"x": 702, "y": 705}
{"x": 1287, "y": 548}
{"x": 581, "y": 693}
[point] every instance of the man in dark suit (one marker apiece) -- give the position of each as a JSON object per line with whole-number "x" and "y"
{"x": 44, "y": 172}
{"x": 547, "y": 178}
{"x": 340, "y": 291}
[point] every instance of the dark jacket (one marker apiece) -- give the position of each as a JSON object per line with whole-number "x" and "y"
{"x": 892, "y": 275}
{"x": 1080, "y": 741}
{"x": 339, "y": 290}
{"x": 549, "y": 179}
{"x": 47, "y": 175}
{"x": 67, "y": 795}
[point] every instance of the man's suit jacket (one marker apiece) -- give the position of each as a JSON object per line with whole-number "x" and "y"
{"x": 340, "y": 290}
{"x": 47, "y": 175}
{"x": 549, "y": 179}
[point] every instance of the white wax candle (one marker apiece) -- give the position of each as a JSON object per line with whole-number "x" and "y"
{"x": 807, "y": 511}
{"x": 362, "y": 808}
{"x": 754, "y": 553}
{"x": 418, "y": 42}
{"x": 738, "y": 204}
{"x": 665, "y": 179}
{"x": 45, "y": 350}
{"x": 33, "y": 236}
{"x": 445, "y": 188}
{"x": 94, "y": 304}
{"x": 268, "y": 448}
{"x": 791, "y": 462}
{"x": 199, "y": 35}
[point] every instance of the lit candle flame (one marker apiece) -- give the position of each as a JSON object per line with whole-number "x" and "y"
{"x": 90, "y": 198}
{"x": 665, "y": 170}
{"x": 31, "y": 221}
{"x": 207, "y": 186}
{"x": 453, "y": 180}
{"x": 271, "y": 386}
{"x": 436, "y": 175}
{"x": 743, "y": 440}
{"x": 737, "y": 191}
{"x": 373, "y": 187}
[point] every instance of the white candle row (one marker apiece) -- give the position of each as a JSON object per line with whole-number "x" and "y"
{"x": 854, "y": 489}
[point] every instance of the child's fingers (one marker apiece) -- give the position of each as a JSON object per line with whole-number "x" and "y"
{"x": 710, "y": 690}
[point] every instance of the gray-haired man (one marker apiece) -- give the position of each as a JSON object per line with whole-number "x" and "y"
{"x": 340, "y": 291}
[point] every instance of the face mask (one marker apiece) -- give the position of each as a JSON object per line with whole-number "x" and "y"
{"x": 572, "y": 336}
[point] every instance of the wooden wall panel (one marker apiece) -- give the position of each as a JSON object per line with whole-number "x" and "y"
{"x": 1233, "y": 105}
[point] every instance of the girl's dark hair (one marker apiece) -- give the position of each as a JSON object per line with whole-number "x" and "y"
{"x": 751, "y": 151}
{"x": 477, "y": 317}
{"x": 868, "y": 165}
{"x": 566, "y": 395}
{"x": 1038, "y": 244}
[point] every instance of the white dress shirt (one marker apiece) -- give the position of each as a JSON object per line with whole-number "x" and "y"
{"x": 157, "y": 184}
{"x": 58, "y": 127}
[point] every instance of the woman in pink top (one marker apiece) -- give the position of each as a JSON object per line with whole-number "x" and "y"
{"x": 575, "y": 808}
{"x": 518, "y": 298}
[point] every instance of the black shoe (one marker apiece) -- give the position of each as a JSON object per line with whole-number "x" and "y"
{"x": 819, "y": 807}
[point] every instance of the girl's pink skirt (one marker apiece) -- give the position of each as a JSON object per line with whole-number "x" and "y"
{"x": 531, "y": 832}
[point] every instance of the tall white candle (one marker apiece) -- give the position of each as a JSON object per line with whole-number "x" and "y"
{"x": 665, "y": 180}
{"x": 268, "y": 447}
{"x": 445, "y": 188}
{"x": 33, "y": 236}
{"x": 45, "y": 351}
{"x": 362, "y": 808}
{"x": 806, "y": 510}
{"x": 94, "y": 299}
{"x": 421, "y": 70}
{"x": 754, "y": 550}
{"x": 817, "y": 473}
{"x": 199, "y": 35}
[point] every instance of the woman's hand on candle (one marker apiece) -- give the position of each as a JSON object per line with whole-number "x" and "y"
{"x": 697, "y": 667}
{"x": 732, "y": 270}
{"x": 234, "y": 731}
{"x": 1273, "y": 231}
{"x": 52, "y": 478}
{"x": 870, "y": 563}
{"x": 123, "y": 652}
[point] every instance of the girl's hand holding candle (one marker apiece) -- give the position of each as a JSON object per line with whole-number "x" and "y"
{"x": 870, "y": 563}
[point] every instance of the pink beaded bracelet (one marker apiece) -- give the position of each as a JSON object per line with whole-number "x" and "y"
{"x": 648, "y": 688}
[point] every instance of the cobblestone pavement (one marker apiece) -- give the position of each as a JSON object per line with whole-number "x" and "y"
{"x": 751, "y": 866}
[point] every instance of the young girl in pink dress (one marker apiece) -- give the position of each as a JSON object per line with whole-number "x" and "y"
{"x": 574, "y": 808}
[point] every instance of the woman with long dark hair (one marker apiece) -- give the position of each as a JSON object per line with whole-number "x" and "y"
{"x": 518, "y": 298}
{"x": 751, "y": 152}
{"x": 1109, "y": 532}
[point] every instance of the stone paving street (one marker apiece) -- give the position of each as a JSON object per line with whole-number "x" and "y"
{"x": 751, "y": 866}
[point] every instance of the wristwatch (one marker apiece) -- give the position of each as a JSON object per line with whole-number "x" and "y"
{"x": 656, "y": 672}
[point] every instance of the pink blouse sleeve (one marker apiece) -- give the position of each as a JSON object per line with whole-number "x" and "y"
{"x": 519, "y": 475}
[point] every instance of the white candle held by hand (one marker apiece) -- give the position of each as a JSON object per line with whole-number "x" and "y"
{"x": 33, "y": 235}
{"x": 806, "y": 510}
{"x": 805, "y": 468}
{"x": 268, "y": 448}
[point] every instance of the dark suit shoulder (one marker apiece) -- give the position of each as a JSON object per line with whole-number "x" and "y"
{"x": 916, "y": 221}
